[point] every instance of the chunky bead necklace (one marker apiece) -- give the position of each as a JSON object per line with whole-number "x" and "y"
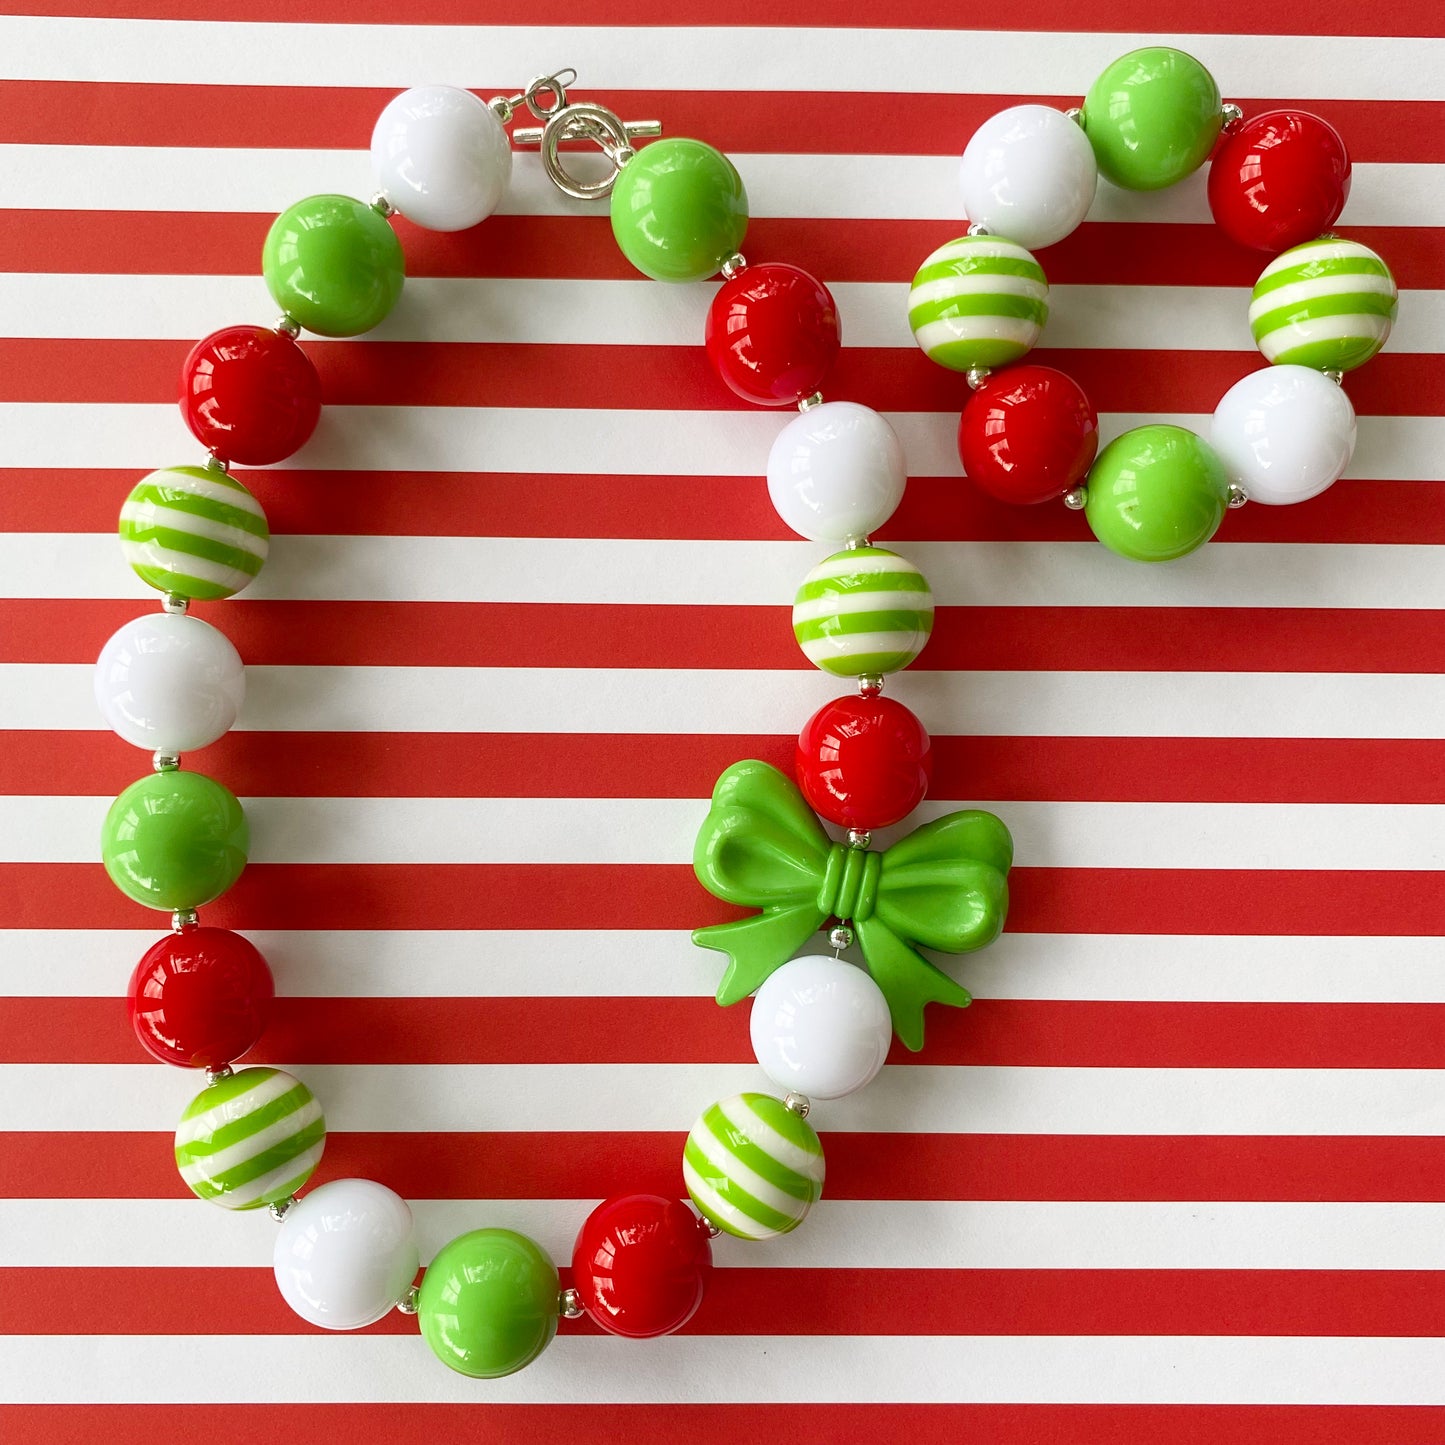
{"x": 821, "y": 1027}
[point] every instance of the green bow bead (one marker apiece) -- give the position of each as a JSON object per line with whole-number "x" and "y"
{"x": 944, "y": 886}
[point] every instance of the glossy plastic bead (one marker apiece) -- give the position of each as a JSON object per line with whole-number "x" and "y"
{"x": 1280, "y": 179}
{"x": 978, "y": 301}
{"x": 200, "y": 998}
{"x": 836, "y": 472}
{"x": 174, "y": 840}
{"x": 820, "y": 1027}
{"x": 193, "y": 531}
{"x": 641, "y": 1264}
{"x": 1156, "y": 493}
{"x": 1329, "y": 304}
{"x": 250, "y": 1139}
{"x": 679, "y": 210}
{"x": 334, "y": 264}
{"x": 753, "y": 1166}
{"x": 441, "y": 157}
{"x": 250, "y": 395}
{"x": 169, "y": 683}
{"x": 1152, "y": 118}
{"x": 1284, "y": 434}
{"x": 1028, "y": 173}
{"x": 772, "y": 333}
{"x": 346, "y": 1254}
{"x": 864, "y": 762}
{"x": 488, "y": 1303}
{"x": 1027, "y": 435}
{"x": 863, "y": 611}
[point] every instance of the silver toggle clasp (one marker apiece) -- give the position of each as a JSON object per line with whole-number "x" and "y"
{"x": 544, "y": 96}
{"x": 583, "y": 120}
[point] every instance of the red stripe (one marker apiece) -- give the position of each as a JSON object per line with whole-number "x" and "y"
{"x": 1286, "y": 902}
{"x": 752, "y": 638}
{"x": 1015, "y": 1033}
{"x": 751, "y": 122}
{"x": 561, "y": 765}
{"x": 1368, "y": 1303}
{"x": 1099, "y": 253}
{"x": 507, "y": 504}
{"x": 620, "y": 378}
{"x": 722, "y": 1424}
{"x": 562, "y": 1165}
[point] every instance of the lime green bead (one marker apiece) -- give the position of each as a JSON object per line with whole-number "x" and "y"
{"x": 679, "y": 210}
{"x": 488, "y": 1303}
{"x": 1152, "y": 118}
{"x": 174, "y": 840}
{"x": 334, "y": 264}
{"x": 1156, "y": 493}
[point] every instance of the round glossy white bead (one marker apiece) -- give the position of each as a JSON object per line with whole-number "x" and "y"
{"x": 836, "y": 472}
{"x": 169, "y": 683}
{"x": 1285, "y": 433}
{"x": 346, "y": 1254}
{"x": 1028, "y": 174}
{"x": 820, "y": 1027}
{"x": 441, "y": 157}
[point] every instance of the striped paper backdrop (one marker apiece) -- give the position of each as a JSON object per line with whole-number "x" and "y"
{"x": 1178, "y": 1175}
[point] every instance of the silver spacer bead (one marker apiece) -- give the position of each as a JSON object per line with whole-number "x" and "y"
{"x": 854, "y": 543}
{"x": 710, "y": 1229}
{"x": 1076, "y": 114}
{"x": 1232, "y": 115}
{"x": 288, "y": 326}
{"x": 809, "y": 402}
{"x": 840, "y": 936}
{"x": 214, "y": 1076}
{"x": 1076, "y": 499}
{"x": 214, "y": 463}
{"x": 407, "y": 1305}
{"x": 859, "y": 837}
{"x": 165, "y": 762}
{"x": 282, "y": 1207}
{"x": 184, "y": 918}
{"x": 174, "y": 603}
{"x": 974, "y": 229}
{"x": 797, "y": 1104}
{"x": 569, "y": 1305}
{"x": 381, "y": 205}
{"x": 1237, "y": 498}
{"x": 735, "y": 265}
{"x": 870, "y": 685}
{"x": 976, "y": 376}
{"x": 1338, "y": 377}
{"x": 502, "y": 108}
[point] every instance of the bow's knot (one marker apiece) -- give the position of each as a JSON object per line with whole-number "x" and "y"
{"x": 850, "y": 883}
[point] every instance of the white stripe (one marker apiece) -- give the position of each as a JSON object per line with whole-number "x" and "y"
{"x": 1312, "y": 252}
{"x": 978, "y": 247}
{"x": 682, "y": 700}
{"x": 1324, "y": 328}
{"x": 179, "y": 520}
{"x": 784, "y": 59}
{"x": 837, "y": 650}
{"x": 840, "y": 1234}
{"x": 935, "y": 334}
{"x": 1353, "y": 284}
{"x": 731, "y": 1167}
{"x": 878, "y": 564}
{"x": 210, "y": 1165}
{"x": 663, "y": 963}
{"x": 720, "y": 1209}
{"x": 246, "y": 1195}
{"x": 1263, "y": 836}
{"x": 237, "y": 1106}
{"x": 744, "y": 1116}
{"x": 875, "y": 599}
{"x": 945, "y": 289}
{"x": 232, "y": 496}
{"x": 905, "y": 1097}
{"x": 184, "y": 564}
{"x": 789, "y": 1370}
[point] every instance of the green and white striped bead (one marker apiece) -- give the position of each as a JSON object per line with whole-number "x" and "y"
{"x": 978, "y": 301}
{"x": 193, "y": 531}
{"x": 753, "y": 1166}
{"x": 864, "y": 610}
{"x": 1328, "y": 304}
{"x": 251, "y": 1138}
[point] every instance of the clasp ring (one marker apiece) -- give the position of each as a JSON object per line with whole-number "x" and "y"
{"x": 586, "y": 121}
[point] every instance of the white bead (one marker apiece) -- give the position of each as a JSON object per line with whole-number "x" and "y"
{"x": 1028, "y": 174}
{"x": 169, "y": 683}
{"x": 820, "y": 1027}
{"x": 1285, "y": 433}
{"x": 441, "y": 157}
{"x": 836, "y": 472}
{"x": 346, "y": 1254}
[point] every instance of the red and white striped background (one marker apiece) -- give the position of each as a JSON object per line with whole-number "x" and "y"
{"x": 1179, "y": 1174}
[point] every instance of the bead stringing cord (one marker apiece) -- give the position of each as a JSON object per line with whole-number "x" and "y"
{"x": 821, "y": 1027}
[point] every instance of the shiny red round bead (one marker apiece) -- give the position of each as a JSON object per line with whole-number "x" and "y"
{"x": 640, "y": 1265}
{"x": 250, "y": 395}
{"x": 864, "y": 762}
{"x": 1027, "y": 434}
{"x": 1279, "y": 180}
{"x": 772, "y": 333}
{"x": 200, "y": 998}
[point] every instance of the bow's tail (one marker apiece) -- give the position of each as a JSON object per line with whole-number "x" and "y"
{"x": 756, "y": 946}
{"x": 907, "y": 979}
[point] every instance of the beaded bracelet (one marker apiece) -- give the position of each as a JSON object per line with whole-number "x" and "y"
{"x": 489, "y": 1302}
{"x": 1325, "y": 306}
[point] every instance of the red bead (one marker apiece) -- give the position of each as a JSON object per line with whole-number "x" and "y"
{"x": 200, "y": 998}
{"x": 1027, "y": 434}
{"x": 640, "y": 1265}
{"x": 864, "y": 762}
{"x": 1280, "y": 179}
{"x": 250, "y": 395}
{"x": 772, "y": 333}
